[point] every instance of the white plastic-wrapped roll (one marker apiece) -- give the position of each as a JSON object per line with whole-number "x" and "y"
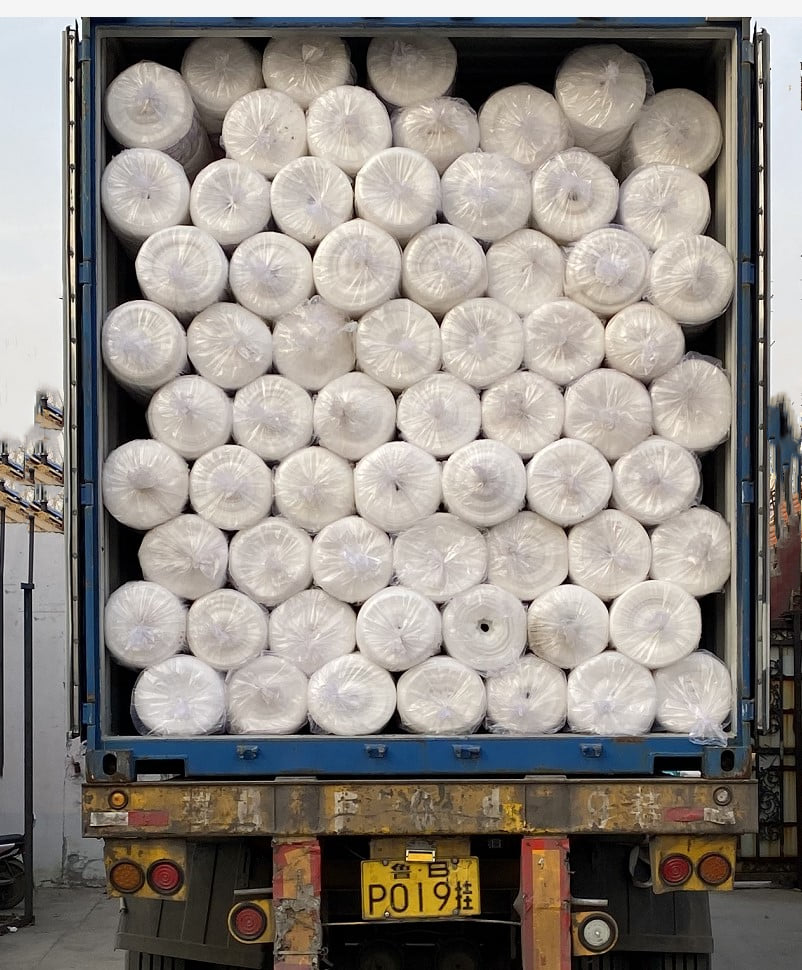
{"x": 562, "y": 341}
{"x": 310, "y": 197}
{"x": 225, "y": 629}
{"x": 313, "y": 344}
{"x": 660, "y": 202}
{"x": 693, "y": 550}
{"x": 567, "y": 625}
{"x": 305, "y": 65}
{"x": 692, "y": 278}
{"x": 231, "y": 487}
{"x": 601, "y": 88}
{"x": 271, "y": 274}
{"x": 643, "y": 341}
{"x": 314, "y": 487}
{"x": 573, "y": 193}
{"x": 524, "y": 411}
{"x": 179, "y": 697}
{"x": 398, "y": 344}
{"x": 264, "y": 130}
{"x": 607, "y": 270}
{"x": 144, "y": 624}
{"x": 271, "y": 561}
{"x": 150, "y": 106}
{"x": 525, "y": 270}
{"x": 183, "y": 269}
{"x": 441, "y": 267}
{"x": 441, "y": 696}
{"x": 143, "y": 346}
{"x": 267, "y": 695}
{"x": 529, "y": 698}
{"x": 353, "y": 415}
{"x": 486, "y": 195}
{"x": 187, "y": 555}
{"x": 485, "y": 628}
{"x": 655, "y": 623}
{"x": 440, "y": 557}
{"x": 191, "y": 415}
{"x": 398, "y": 190}
{"x": 350, "y": 696}
{"x": 218, "y": 71}
{"x": 442, "y": 129}
{"x": 346, "y": 126}
{"x": 143, "y": 190}
{"x": 656, "y": 480}
{"x": 439, "y": 414}
{"x": 695, "y": 697}
{"x": 482, "y": 341}
{"x": 311, "y": 628}
{"x": 408, "y": 68}
{"x": 611, "y": 694}
{"x": 526, "y": 555}
{"x": 692, "y": 404}
{"x": 568, "y": 481}
{"x": 351, "y": 559}
{"x": 524, "y": 123}
{"x": 145, "y": 483}
{"x": 357, "y": 267}
{"x": 273, "y": 417}
{"x": 609, "y": 410}
{"x": 398, "y": 628}
{"x": 675, "y": 127}
{"x": 229, "y": 345}
{"x": 484, "y": 483}
{"x": 230, "y": 201}
{"x": 397, "y": 485}
{"x": 608, "y": 553}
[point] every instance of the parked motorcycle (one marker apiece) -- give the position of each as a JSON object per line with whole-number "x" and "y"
{"x": 12, "y": 871}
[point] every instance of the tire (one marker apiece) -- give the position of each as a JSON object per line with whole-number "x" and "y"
{"x": 12, "y": 872}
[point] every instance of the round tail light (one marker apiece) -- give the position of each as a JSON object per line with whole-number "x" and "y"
{"x": 165, "y": 877}
{"x": 126, "y": 877}
{"x": 248, "y": 921}
{"x": 714, "y": 869}
{"x": 675, "y": 870}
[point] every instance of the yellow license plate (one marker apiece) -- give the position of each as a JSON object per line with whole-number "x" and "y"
{"x": 420, "y": 890}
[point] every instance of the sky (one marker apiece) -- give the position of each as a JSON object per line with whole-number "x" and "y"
{"x": 31, "y": 249}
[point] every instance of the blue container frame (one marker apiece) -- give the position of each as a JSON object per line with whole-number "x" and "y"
{"x": 244, "y": 757}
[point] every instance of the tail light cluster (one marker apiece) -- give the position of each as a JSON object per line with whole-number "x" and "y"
{"x": 713, "y": 869}
{"x": 163, "y": 877}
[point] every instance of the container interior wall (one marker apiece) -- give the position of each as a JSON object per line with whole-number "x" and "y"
{"x": 702, "y": 59}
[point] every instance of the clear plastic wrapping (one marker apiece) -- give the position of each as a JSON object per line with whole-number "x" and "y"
{"x": 408, "y": 68}
{"x": 568, "y": 481}
{"x": 524, "y": 123}
{"x": 143, "y": 624}
{"x": 486, "y": 195}
{"x": 525, "y": 270}
{"x": 440, "y": 557}
{"x": 353, "y": 415}
{"x": 398, "y": 344}
{"x": 692, "y": 404}
{"x": 272, "y": 416}
{"x": 351, "y": 559}
{"x": 264, "y": 130}
{"x": 660, "y": 202}
{"x": 441, "y": 267}
{"x": 695, "y": 697}
{"x": 398, "y": 628}
{"x": 441, "y": 696}
{"x": 656, "y": 480}
{"x": 482, "y": 341}
{"x": 524, "y": 411}
{"x": 187, "y": 555}
{"x": 143, "y": 346}
{"x": 231, "y": 487}
{"x": 439, "y": 414}
{"x": 218, "y": 71}
{"x": 229, "y": 345}
{"x": 611, "y": 695}
{"x": 655, "y": 623}
{"x": 397, "y": 485}
{"x": 693, "y": 550}
{"x": 573, "y": 193}
{"x": 306, "y": 64}
{"x": 606, "y": 270}
{"x": 562, "y": 341}
{"x": 643, "y": 341}
{"x": 191, "y": 415}
{"x": 230, "y": 201}
{"x": 144, "y": 483}
{"x": 526, "y": 555}
{"x": 225, "y": 629}
{"x": 271, "y": 561}
{"x": 398, "y": 189}
{"x": 313, "y": 344}
{"x": 529, "y": 698}
{"x": 314, "y": 487}
{"x": 485, "y": 628}
{"x": 310, "y": 197}
{"x": 484, "y": 483}
{"x": 693, "y": 279}
{"x": 271, "y": 274}
{"x": 608, "y": 553}
{"x": 567, "y": 625}
{"x": 267, "y": 695}
{"x": 442, "y": 129}
{"x": 179, "y": 697}
{"x": 350, "y": 696}
{"x": 312, "y": 628}
{"x": 608, "y": 410}
{"x": 347, "y": 125}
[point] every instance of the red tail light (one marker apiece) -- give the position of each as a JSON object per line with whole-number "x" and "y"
{"x": 714, "y": 869}
{"x": 675, "y": 870}
{"x": 165, "y": 877}
{"x": 248, "y": 921}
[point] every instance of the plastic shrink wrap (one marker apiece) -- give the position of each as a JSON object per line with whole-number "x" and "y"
{"x": 187, "y": 555}
{"x": 314, "y": 487}
{"x": 179, "y": 697}
{"x": 486, "y": 195}
{"x": 527, "y": 555}
{"x": 441, "y": 696}
{"x": 311, "y": 628}
{"x": 568, "y": 481}
{"x": 144, "y": 483}
{"x": 191, "y": 415}
{"x": 562, "y": 341}
{"x": 398, "y": 344}
{"x": 484, "y": 483}
{"x": 655, "y": 623}
{"x": 608, "y": 554}
{"x": 225, "y": 629}
{"x": 399, "y": 191}
{"x": 607, "y": 270}
{"x": 525, "y": 270}
{"x": 608, "y": 410}
{"x": 692, "y": 404}
{"x": 267, "y": 695}
{"x": 611, "y": 695}
{"x": 305, "y": 65}
{"x": 567, "y": 625}
{"x": 573, "y": 193}
{"x": 407, "y": 68}
{"x": 529, "y": 698}
{"x": 693, "y": 550}
{"x": 351, "y": 559}
{"x": 660, "y": 202}
{"x": 271, "y": 561}
{"x": 230, "y": 201}
{"x": 313, "y": 344}
{"x": 482, "y": 341}
{"x": 144, "y": 623}
{"x": 182, "y": 269}
{"x": 441, "y": 267}
{"x": 440, "y": 557}
{"x": 271, "y": 274}
{"x": 398, "y": 628}
{"x": 695, "y": 697}
{"x": 229, "y": 345}
{"x": 218, "y": 71}
{"x": 485, "y": 628}
{"x": 656, "y": 480}
{"x": 693, "y": 279}
{"x": 524, "y": 123}
{"x": 442, "y": 129}
{"x": 272, "y": 416}
{"x": 354, "y": 414}
{"x": 397, "y": 485}
{"x": 346, "y": 126}
{"x": 439, "y": 414}
{"x": 264, "y": 130}
{"x": 310, "y": 197}
{"x": 231, "y": 487}
{"x": 643, "y": 341}
{"x": 143, "y": 346}
{"x": 350, "y": 696}
{"x": 523, "y": 411}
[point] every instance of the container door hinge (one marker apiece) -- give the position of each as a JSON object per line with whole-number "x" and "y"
{"x": 747, "y": 493}
{"x": 85, "y": 271}
{"x": 747, "y": 272}
{"x": 87, "y": 493}
{"x": 83, "y": 51}
{"x": 747, "y": 710}
{"x": 747, "y": 52}
{"x": 88, "y": 714}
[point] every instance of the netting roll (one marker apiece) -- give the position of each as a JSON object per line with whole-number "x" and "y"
{"x": 408, "y": 68}
{"x": 526, "y": 555}
{"x": 311, "y": 628}
{"x": 398, "y": 190}
{"x": 439, "y": 414}
{"x": 643, "y": 341}
{"x": 398, "y": 628}
{"x": 655, "y": 623}
{"x": 230, "y": 201}
{"x": 692, "y": 404}
{"x": 144, "y": 483}
{"x": 524, "y": 123}
{"x": 218, "y": 71}
{"x": 191, "y": 415}
{"x": 441, "y": 696}
{"x": 695, "y": 697}
{"x": 351, "y": 559}
{"x": 397, "y": 485}
{"x": 313, "y": 344}
{"x": 265, "y": 130}
{"x": 660, "y": 202}
{"x": 270, "y": 561}
{"x": 187, "y": 555}
{"x": 267, "y": 695}
{"x": 524, "y": 411}
{"x": 486, "y": 195}
{"x": 231, "y": 487}
{"x": 271, "y": 274}
{"x": 482, "y": 341}
{"x": 272, "y": 416}
{"x": 310, "y": 197}
{"x": 562, "y": 341}
{"x": 606, "y": 270}
{"x": 608, "y": 553}
{"x": 611, "y": 695}
{"x": 314, "y": 487}
{"x": 608, "y": 410}
{"x": 573, "y": 193}
{"x": 143, "y": 346}
{"x": 398, "y": 344}
{"x": 442, "y": 129}
{"x": 304, "y": 65}
{"x": 143, "y": 624}
{"x": 354, "y": 414}
{"x": 525, "y": 270}
{"x": 693, "y": 279}
{"x": 484, "y": 483}
{"x": 529, "y": 698}
{"x": 568, "y": 481}
{"x": 346, "y": 126}
{"x": 567, "y": 625}
{"x": 656, "y": 480}
{"x": 225, "y": 629}
{"x": 350, "y": 696}
{"x": 229, "y": 345}
{"x": 693, "y": 550}
{"x": 441, "y": 267}
{"x": 179, "y": 697}
{"x": 440, "y": 557}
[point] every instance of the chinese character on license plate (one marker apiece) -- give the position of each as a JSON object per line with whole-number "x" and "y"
{"x": 420, "y": 890}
